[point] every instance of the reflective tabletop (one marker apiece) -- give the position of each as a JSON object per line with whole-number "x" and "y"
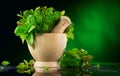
{"x": 101, "y": 69}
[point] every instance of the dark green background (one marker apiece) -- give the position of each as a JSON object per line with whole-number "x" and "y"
{"x": 97, "y": 27}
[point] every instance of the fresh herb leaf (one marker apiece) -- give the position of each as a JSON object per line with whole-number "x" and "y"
{"x": 25, "y": 67}
{"x": 5, "y": 63}
{"x": 30, "y": 39}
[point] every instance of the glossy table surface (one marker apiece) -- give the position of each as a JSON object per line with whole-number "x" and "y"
{"x": 97, "y": 69}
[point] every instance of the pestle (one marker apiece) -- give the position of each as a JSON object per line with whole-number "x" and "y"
{"x": 62, "y": 25}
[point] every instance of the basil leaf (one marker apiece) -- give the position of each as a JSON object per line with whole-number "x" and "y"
{"x": 30, "y": 39}
{"x": 20, "y": 30}
{"x": 23, "y": 37}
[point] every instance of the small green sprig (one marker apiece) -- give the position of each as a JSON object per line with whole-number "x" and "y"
{"x": 25, "y": 67}
{"x": 5, "y": 63}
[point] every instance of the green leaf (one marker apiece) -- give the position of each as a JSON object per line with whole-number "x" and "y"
{"x": 5, "y": 63}
{"x": 30, "y": 39}
{"x": 22, "y": 66}
{"x": 26, "y": 63}
{"x": 45, "y": 28}
{"x": 50, "y": 10}
{"x": 37, "y": 8}
{"x": 31, "y": 28}
{"x": 56, "y": 15}
{"x": 70, "y": 35}
{"x": 74, "y": 52}
{"x": 38, "y": 18}
{"x": 84, "y": 51}
{"x": 19, "y": 15}
{"x": 20, "y": 30}
{"x": 31, "y": 62}
{"x": 26, "y": 13}
{"x": 69, "y": 31}
{"x": 23, "y": 37}
{"x": 63, "y": 12}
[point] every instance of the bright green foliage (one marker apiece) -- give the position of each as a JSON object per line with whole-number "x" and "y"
{"x": 25, "y": 67}
{"x": 5, "y": 63}
{"x": 38, "y": 21}
{"x": 69, "y": 31}
{"x": 75, "y": 58}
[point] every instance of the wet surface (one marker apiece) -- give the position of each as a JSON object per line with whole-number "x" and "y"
{"x": 106, "y": 69}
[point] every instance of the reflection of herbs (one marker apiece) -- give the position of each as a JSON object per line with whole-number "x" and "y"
{"x": 25, "y": 67}
{"x": 41, "y": 20}
{"x": 1, "y": 68}
{"x": 75, "y": 72}
{"x": 75, "y": 58}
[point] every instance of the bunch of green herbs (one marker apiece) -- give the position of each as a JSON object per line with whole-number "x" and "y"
{"x": 25, "y": 67}
{"x": 75, "y": 58}
{"x": 39, "y": 21}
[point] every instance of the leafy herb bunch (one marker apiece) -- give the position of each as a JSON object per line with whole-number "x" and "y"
{"x": 76, "y": 58}
{"x": 38, "y": 21}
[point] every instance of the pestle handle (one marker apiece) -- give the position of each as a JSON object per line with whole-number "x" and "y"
{"x": 62, "y": 25}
